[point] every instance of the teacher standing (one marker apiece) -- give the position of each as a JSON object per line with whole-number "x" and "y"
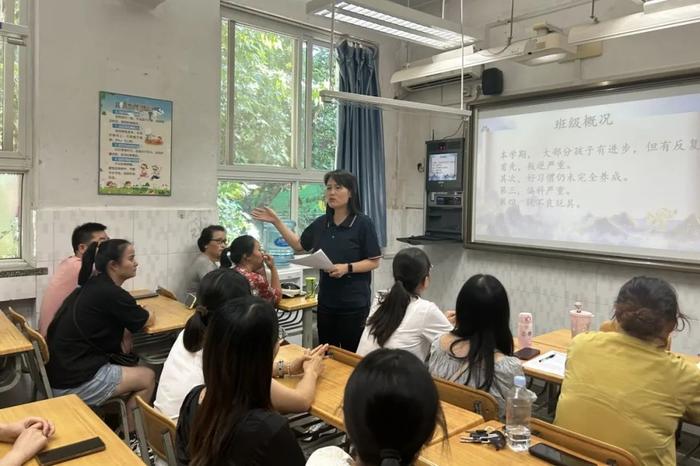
{"x": 349, "y": 239}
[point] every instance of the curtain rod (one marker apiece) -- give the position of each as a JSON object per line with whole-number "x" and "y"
{"x": 291, "y": 22}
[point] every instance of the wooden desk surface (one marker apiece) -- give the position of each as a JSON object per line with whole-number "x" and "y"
{"x": 466, "y": 454}
{"x": 169, "y": 314}
{"x": 331, "y": 387}
{"x": 296, "y": 304}
{"x": 11, "y": 339}
{"x": 559, "y": 338}
{"x": 75, "y": 421}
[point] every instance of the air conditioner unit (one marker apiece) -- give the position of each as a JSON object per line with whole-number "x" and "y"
{"x": 438, "y": 70}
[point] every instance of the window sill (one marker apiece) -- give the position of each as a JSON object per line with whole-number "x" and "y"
{"x": 20, "y": 268}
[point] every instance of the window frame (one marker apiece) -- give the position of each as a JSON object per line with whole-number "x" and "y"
{"x": 20, "y": 161}
{"x": 301, "y": 169}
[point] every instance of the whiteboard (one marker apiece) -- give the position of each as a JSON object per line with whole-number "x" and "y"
{"x": 611, "y": 174}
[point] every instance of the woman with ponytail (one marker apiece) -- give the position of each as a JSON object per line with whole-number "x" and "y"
{"x": 402, "y": 319}
{"x": 391, "y": 410}
{"x": 182, "y": 370}
{"x": 87, "y": 331}
{"x": 479, "y": 351}
{"x": 247, "y": 258}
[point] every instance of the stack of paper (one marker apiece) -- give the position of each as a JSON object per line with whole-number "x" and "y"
{"x": 317, "y": 260}
{"x": 551, "y": 362}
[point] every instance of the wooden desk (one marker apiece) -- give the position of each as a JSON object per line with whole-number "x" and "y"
{"x": 11, "y": 339}
{"x": 305, "y": 306}
{"x": 331, "y": 387}
{"x": 169, "y": 314}
{"x": 74, "y": 421}
{"x": 466, "y": 454}
{"x": 559, "y": 339}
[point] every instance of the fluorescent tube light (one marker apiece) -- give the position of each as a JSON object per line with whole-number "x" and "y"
{"x": 383, "y": 103}
{"x": 395, "y": 20}
{"x": 637, "y": 23}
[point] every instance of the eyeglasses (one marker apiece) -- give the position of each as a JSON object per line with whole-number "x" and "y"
{"x": 220, "y": 240}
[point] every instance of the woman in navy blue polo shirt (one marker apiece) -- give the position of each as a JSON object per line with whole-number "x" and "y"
{"x": 349, "y": 239}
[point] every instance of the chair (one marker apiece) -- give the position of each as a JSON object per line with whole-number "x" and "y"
{"x": 595, "y": 449}
{"x": 40, "y": 352}
{"x": 467, "y": 398}
{"x": 41, "y": 358}
{"x": 155, "y": 430}
{"x": 344, "y": 356}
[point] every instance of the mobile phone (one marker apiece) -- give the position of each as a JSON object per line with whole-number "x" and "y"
{"x": 526, "y": 353}
{"x": 69, "y": 452}
{"x": 190, "y": 301}
{"x": 554, "y": 456}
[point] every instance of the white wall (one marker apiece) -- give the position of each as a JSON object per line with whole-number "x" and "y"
{"x": 170, "y": 52}
{"x": 546, "y": 287}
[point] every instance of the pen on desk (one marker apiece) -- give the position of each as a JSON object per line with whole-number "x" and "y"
{"x": 547, "y": 357}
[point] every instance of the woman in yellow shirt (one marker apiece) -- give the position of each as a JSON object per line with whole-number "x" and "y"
{"x": 624, "y": 387}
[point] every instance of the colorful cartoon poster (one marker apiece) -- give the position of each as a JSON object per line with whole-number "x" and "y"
{"x": 135, "y": 145}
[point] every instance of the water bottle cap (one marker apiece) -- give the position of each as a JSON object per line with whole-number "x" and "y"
{"x": 519, "y": 381}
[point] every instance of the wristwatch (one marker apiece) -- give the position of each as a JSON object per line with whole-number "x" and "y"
{"x": 349, "y": 267}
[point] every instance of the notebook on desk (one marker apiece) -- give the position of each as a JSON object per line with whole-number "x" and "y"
{"x": 551, "y": 362}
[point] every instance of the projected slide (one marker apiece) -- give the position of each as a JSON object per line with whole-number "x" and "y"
{"x": 617, "y": 174}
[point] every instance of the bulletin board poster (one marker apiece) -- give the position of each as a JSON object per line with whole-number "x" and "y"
{"x": 135, "y": 145}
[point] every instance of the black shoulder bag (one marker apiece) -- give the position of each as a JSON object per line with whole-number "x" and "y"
{"x": 119, "y": 359}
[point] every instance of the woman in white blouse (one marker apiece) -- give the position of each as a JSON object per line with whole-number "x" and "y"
{"x": 401, "y": 319}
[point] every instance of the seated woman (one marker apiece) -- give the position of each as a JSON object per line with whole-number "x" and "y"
{"x": 402, "y": 319}
{"x": 182, "y": 370}
{"x": 211, "y": 242}
{"x": 479, "y": 351}
{"x": 232, "y": 421}
{"x": 28, "y": 437}
{"x": 87, "y": 332}
{"x": 388, "y": 391}
{"x": 623, "y": 387}
{"x": 245, "y": 256}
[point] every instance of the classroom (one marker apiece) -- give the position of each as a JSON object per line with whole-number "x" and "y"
{"x": 349, "y": 232}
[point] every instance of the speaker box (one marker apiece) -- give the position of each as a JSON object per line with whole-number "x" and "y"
{"x": 492, "y": 81}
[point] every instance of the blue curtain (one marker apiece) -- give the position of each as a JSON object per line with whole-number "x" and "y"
{"x": 360, "y": 131}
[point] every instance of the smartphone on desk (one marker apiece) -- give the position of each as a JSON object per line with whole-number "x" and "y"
{"x": 555, "y": 456}
{"x": 69, "y": 452}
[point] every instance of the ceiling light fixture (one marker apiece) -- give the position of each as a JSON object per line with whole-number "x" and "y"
{"x": 383, "y": 103}
{"x": 395, "y": 20}
{"x": 657, "y": 15}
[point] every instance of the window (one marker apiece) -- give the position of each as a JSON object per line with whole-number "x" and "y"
{"x": 14, "y": 160}
{"x": 10, "y": 218}
{"x": 277, "y": 137}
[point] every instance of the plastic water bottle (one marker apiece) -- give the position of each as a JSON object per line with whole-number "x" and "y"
{"x": 518, "y": 412}
{"x": 276, "y": 246}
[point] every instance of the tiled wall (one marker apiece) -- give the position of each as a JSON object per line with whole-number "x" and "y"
{"x": 164, "y": 239}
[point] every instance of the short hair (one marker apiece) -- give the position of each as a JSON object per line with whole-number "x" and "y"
{"x": 207, "y": 235}
{"x": 83, "y": 234}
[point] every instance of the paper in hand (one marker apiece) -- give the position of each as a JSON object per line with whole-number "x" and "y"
{"x": 317, "y": 260}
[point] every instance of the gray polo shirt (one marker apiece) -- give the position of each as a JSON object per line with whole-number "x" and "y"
{"x": 201, "y": 266}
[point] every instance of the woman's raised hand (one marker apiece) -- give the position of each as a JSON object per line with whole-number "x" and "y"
{"x": 265, "y": 214}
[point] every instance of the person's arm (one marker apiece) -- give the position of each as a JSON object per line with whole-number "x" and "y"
{"x": 366, "y": 265}
{"x": 435, "y": 323}
{"x": 265, "y": 214}
{"x": 299, "y": 399}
